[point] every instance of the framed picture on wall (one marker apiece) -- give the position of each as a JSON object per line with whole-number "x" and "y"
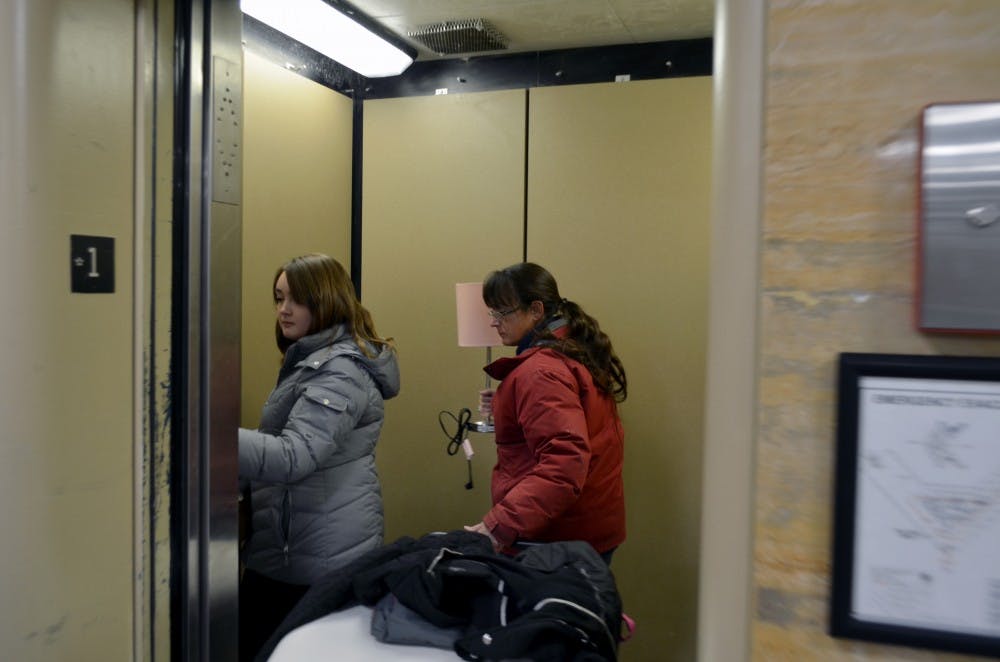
{"x": 916, "y": 540}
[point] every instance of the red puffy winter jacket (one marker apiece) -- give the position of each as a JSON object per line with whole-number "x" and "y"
{"x": 560, "y": 445}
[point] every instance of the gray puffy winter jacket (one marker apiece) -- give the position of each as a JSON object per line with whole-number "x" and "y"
{"x": 315, "y": 493}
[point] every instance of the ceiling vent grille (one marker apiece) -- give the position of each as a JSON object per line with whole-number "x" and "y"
{"x": 474, "y": 35}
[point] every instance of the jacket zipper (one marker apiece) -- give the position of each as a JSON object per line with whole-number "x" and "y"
{"x": 286, "y": 521}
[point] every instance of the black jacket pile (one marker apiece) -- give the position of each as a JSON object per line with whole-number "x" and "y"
{"x": 552, "y": 602}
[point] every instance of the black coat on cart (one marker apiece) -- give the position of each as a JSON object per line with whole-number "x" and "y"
{"x": 555, "y": 601}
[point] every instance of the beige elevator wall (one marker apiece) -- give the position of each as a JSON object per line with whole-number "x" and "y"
{"x": 442, "y": 204}
{"x": 618, "y": 209}
{"x": 66, "y": 449}
{"x": 296, "y": 199}
{"x": 618, "y": 198}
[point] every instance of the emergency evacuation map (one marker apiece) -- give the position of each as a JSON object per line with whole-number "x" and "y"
{"x": 927, "y": 525}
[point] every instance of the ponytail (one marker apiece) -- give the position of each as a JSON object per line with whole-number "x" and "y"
{"x": 587, "y": 343}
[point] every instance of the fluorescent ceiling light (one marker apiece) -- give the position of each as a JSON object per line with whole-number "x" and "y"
{"x": 323, "y": 28}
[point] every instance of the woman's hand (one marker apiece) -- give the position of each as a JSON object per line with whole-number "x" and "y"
{"x": 481, "y": 528}
{"x": 486, "y": 402}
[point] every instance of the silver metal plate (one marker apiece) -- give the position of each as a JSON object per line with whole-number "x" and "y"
{"x": 960, "y": 207}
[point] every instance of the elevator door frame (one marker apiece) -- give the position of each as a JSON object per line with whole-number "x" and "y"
{"x": 194, "y": 455}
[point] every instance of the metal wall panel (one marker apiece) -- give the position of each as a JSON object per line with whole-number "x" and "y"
{"x": 207, "y": 329}
{"x": 960, "y": 217}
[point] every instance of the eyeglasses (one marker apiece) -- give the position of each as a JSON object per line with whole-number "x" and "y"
{"x": 498, "y": 315}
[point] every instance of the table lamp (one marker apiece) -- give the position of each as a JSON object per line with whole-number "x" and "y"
{"x": 474, "y": 330}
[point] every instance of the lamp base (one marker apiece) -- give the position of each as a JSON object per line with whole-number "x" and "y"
{"x": 479, "y": 426}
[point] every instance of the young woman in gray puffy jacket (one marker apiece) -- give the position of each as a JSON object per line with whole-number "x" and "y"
{"x": 314, "y": 492}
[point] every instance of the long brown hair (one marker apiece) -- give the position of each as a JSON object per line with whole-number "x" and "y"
{"x": 322, "y": 284}
{"x": 519, "y": 284}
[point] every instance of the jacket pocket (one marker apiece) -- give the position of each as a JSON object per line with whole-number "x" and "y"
{"x": 326, "y": 398}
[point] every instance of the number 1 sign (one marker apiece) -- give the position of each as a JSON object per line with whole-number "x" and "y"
{"x": 92, "y": 263}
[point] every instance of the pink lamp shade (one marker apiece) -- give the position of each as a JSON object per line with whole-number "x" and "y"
{"x": 474, "y": 328}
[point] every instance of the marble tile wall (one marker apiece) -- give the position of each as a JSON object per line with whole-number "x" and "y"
{"x": 846, "y": 81}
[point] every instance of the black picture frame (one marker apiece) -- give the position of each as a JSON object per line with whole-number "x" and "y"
{"x": 916, "y": 539}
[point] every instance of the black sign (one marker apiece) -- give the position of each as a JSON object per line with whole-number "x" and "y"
{"x": 91, "y": 263}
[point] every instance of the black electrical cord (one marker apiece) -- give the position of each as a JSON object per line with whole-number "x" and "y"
{"x": 455, "y": 440}
{"x": 462, "y": 422}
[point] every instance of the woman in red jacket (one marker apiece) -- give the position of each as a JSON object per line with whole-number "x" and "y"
{"x": 559, "y": 438}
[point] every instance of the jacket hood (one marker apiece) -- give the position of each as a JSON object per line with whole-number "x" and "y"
{"x": 338, "y": 341}
{"x": 384, "y": 369}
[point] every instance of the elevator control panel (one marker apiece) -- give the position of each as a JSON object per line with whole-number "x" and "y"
{"x": 227, "y": 131}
